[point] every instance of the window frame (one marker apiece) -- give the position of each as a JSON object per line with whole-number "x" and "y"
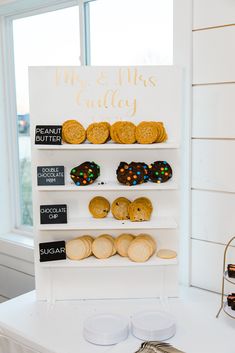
{"x": 10, "y": 91}
{"x": 182, "y": 55}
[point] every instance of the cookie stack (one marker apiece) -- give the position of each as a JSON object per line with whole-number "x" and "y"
{"x": 148, "y": 132}
{"x": 123, "y": 132}
{"x": 136, "y": 173}
{"x": 140, "y": 209}
{"x": 73, "y": 132}
{"x": 99, "y": 207}
{"x": 85, "y": 174}
{"x": 122, "y": 208}
{"x": 103, "y": 246}
{"x": 79, "y": 248}
{"x": 98, "y": 133}
{"x": 141, "y": 248}
{"x": 137, "y": 211}
{"x": 137, "y": 248}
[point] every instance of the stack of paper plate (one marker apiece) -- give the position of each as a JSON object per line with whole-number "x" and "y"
{"x": 153, "y": 326}
{"x": 106, "y": 329}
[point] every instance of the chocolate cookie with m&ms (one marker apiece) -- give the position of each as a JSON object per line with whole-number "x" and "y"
{"x": 132, "y": 174}
{"x": 85, "y": 174}
{"x": 160, "y": 172}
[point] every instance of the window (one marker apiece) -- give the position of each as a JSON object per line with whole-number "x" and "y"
{"x": 131, "y": 32}
{"x": 112, "y": 32}
{"x": 37, "y": 43}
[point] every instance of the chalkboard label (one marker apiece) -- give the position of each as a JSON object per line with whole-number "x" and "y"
{"x": 48, "y": 135}
{"x": 52, "y": 251}
{"x": 53, "y": 214}
{"x": 50, "y": 175}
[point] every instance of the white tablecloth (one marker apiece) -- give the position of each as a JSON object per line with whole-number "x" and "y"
{"x": 28, "y": 326}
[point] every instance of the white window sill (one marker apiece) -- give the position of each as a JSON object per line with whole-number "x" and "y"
{"x": 17, "y": 245}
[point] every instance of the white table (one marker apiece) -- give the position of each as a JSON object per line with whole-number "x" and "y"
{"x": 57, "y": 328}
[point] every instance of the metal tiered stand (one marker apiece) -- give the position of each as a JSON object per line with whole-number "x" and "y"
{"x": 224, "y": 304}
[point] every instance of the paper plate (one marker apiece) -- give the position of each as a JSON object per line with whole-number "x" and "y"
{"x": 153, "y": 325}
{"x": 106, "y": 329}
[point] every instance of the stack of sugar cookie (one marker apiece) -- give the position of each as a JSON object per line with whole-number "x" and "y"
{"x": 137, "y": 248}
{"x": 103, "y": 246}
{"x": 122, "y": 208}
{"x": 141, "y": 248}
{"x": 123, "y": 132}
{"x": 79, "y": 248}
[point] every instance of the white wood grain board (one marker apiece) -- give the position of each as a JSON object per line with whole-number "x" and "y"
{"x": 214, "y": 55}
{"x": 109, "y": 282}
{"x": 111, "y": 186}
{"x": 213, "y": 216}
{"x": 17, "y": 264}
{"x": 106, "y": 94}
{"x": 213, "y": 111}
{"x": 14, "y": 283}
{"x": 213, "y": 166}
{"x": 207, "y": 13}
{"x": 110, "y": 146}
{"x": 3, "y": 299}
{"x": 207, "y": 266}
{"x": 111, "y": 223}
{"x": 114, "y": 261}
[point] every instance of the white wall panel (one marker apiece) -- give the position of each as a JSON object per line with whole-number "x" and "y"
{"x": 213, "y": 216}
{"x": 213, "y": 111}
{"x": 18, "y": 264}
{"x": 207, "y": 266}
{"x": 213, "y": 165}
{"x": 214, "y": 55}
{"x": 14, "y": 283}
{"x": 207, "y": 13}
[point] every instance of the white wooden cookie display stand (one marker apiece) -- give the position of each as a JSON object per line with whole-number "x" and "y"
{"x": 93, "y": 94}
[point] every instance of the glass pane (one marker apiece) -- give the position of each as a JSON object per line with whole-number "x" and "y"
{"x": 51, "y": 38}
{"x": 131, "y": 32}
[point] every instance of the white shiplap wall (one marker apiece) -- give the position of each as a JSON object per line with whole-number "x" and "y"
{"x": 213, "y": 139}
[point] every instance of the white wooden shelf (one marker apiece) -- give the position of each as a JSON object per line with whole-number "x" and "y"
{"x": 90, "y": 223}
{"x": 110, "y": 146}
{"x": 112, "y": 186}
{"x": 114, "y": 261}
